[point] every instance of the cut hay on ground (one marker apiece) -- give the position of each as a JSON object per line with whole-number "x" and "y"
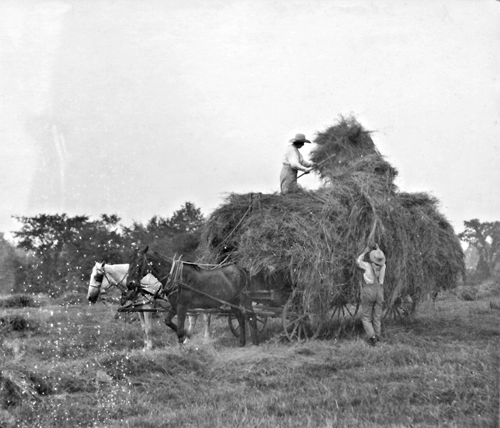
{"x": 314, "y": 237}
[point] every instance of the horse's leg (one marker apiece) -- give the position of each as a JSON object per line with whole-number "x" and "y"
{"x": 240, "y": 316}
{"x": 168, "y": 320}
{"x": 181, "y": 318}
{"x": 252, "y": 319}
{"x": 207, "y": 319}
{"x": 191, "y": 324}
{"x": 143, "y": 328}
{"x": 434, "y": 298}
{"x": 147, "y": 323}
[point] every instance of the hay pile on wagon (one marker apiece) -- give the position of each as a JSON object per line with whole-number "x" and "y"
{"x": 312, "y": 238}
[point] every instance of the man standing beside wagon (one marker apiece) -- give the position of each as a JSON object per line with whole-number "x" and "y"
{"x": 372, "y": 261}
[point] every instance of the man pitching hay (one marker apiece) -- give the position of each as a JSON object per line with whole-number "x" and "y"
{"x": 372, "y": 294}
{"x": 293, "y": 162}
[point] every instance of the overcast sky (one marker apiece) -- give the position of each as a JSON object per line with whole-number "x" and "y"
{"x": 134, "y": 108}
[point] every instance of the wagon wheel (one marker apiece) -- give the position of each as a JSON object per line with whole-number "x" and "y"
{"x": 341, "y": 310}
{"x": 296, "y": 321}
{"x": 234, "y": 325}
{"x": 395, "y": 312}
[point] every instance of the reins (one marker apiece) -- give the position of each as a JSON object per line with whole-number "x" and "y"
{"x": 118, "y": 284}
{"x": 121, "y": 286}
{"x": 223, "y": 302}
{"x": 174, "y": 278}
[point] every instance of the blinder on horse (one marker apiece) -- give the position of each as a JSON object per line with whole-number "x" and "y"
{"x": 136, "y": 274}
{"x": 145, "y": 267}
{"x": 99, "y": 273}
{"x": 98, "y": 278}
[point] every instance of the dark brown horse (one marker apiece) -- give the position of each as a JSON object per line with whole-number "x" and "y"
{"x": 188, "y": 286}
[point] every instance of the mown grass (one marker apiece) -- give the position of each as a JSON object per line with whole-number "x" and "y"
{"x": 81, "y": 367}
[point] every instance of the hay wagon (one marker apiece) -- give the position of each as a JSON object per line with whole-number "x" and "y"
{"x": 281, "y": 303}
{"x": 315, "y": 236}
{"x": 299, "y": 321}
{"x": 268, "y": 304}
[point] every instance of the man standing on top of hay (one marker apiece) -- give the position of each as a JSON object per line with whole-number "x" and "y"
{"x": 293, "y": 162}
{"x": 372, "y": 294}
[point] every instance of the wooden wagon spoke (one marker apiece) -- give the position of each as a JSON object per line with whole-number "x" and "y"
{"x": 318, "y": 331}
{"x": 296, "y": 329}
{"x": 347, "y": 309}
{"x": 296, "y": 321}
{"x": 301, "y": 333}
{"x": 335, "y": 309}
{"x": 357, "y": 308}
{"x": 234, "y": 324}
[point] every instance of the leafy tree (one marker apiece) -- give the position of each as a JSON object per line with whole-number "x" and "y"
{"x": 27, "y": 278}
{"x": 96, "y": 240}
{"x": 45, "y": 235}
{"x": 485, "y": 237}
{"x": 178, "y": 234}
{"x": 186, "y": 224}
{"x": 65, "y": 248}
{"x": 188, "y": 219}
{"x": 7, "y": 255}
{"x": 155, "y": 233}
{"x": 59, "y": 251}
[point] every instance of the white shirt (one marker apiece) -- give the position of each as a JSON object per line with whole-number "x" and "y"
{"x": 293, "y": 158}
{"x": 370, "y": 275}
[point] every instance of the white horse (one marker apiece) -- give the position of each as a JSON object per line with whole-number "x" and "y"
{"x": 105, "y": 276}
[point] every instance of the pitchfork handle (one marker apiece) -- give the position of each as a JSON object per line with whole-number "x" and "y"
{"x": 318, "y": 164}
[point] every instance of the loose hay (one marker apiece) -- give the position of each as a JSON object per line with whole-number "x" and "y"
{"x": 312, "y": 238}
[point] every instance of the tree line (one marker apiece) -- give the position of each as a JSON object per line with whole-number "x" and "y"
{"x": 55, "y": 253}
{"x": 484, "y": 238}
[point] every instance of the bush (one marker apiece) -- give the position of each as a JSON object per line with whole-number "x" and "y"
{"x": 18, "y": 301}
{"x": 72, "y": 298}
{"x": 468, "y": 295}
{"x": 16, "y": 323}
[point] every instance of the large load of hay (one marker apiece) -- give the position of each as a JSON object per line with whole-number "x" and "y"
{"x": 313, "y": 238}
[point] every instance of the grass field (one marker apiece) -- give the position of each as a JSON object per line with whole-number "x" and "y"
{"x": 78, "y": 366}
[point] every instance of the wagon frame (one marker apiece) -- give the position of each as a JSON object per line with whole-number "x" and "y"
{"x": 284, "y": 302}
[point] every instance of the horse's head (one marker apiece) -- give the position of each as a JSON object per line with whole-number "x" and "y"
{"x": 96, "y": 279}
{"x": 139, "y": 267}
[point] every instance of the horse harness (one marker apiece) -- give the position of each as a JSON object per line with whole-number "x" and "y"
{"x": 120, "y": 284}
{"x": 174, "y": 278}
{"x": 102, "y": 274}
